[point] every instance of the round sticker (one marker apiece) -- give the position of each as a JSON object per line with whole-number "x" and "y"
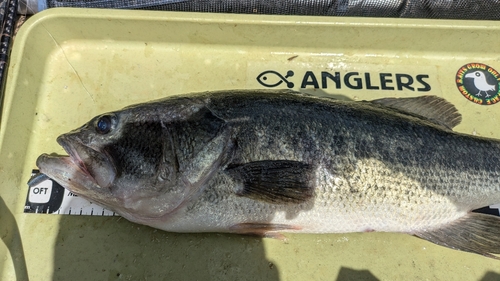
{"x": 479, "y": 83}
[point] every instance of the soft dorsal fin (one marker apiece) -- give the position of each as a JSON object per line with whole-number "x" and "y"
{"x": 432, "y": 108}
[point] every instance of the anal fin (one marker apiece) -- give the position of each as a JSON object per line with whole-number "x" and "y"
{"x": 475, "y": 233}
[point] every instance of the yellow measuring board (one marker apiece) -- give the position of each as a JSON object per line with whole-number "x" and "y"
{"x": 69, "y": 65}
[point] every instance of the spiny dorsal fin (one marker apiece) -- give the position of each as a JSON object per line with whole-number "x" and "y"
{"x": 432, "y": 108}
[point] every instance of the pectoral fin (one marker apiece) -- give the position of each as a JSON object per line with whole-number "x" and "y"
{"x": 475, "y": 233}
{"x": 278, "y": 182}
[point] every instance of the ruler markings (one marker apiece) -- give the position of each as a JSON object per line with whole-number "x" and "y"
{"x": 48, "y": 197}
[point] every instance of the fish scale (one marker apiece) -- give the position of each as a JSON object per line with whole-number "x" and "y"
{"x": 265, "y": 162}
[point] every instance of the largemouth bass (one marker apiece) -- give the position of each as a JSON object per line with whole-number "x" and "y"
{"x": 261, "y": 162}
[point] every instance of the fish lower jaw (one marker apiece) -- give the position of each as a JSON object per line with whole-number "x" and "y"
{"x": 64, "y": 171}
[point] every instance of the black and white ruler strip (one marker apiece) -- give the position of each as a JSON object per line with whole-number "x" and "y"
{"x": 48, "y": 197}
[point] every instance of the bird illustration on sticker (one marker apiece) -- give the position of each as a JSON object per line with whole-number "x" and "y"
{"x": 479, "y": 83}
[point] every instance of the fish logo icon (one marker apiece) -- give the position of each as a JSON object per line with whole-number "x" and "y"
{"x": 271, "y": 79}
{"x": 479, "y": 83}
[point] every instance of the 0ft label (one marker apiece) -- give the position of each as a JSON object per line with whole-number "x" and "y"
{"x": 41, "y": 193}
{"x": 45, "y": 197}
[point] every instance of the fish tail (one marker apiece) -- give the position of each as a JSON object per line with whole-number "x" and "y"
{"x": 475, "y": 232}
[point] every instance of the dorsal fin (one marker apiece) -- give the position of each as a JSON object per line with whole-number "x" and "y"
{"x": 432, "y": 108}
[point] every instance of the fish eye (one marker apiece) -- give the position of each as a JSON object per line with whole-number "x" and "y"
{"x": 104, "y": 124}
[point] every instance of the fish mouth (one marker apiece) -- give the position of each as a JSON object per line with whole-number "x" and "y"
{"x": 95, "y": 164}
{"x": 65, "y": 171}
{"x": 74, "y": 157}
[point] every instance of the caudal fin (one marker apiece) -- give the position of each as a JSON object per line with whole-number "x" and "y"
{"x": 475, "y": 233}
